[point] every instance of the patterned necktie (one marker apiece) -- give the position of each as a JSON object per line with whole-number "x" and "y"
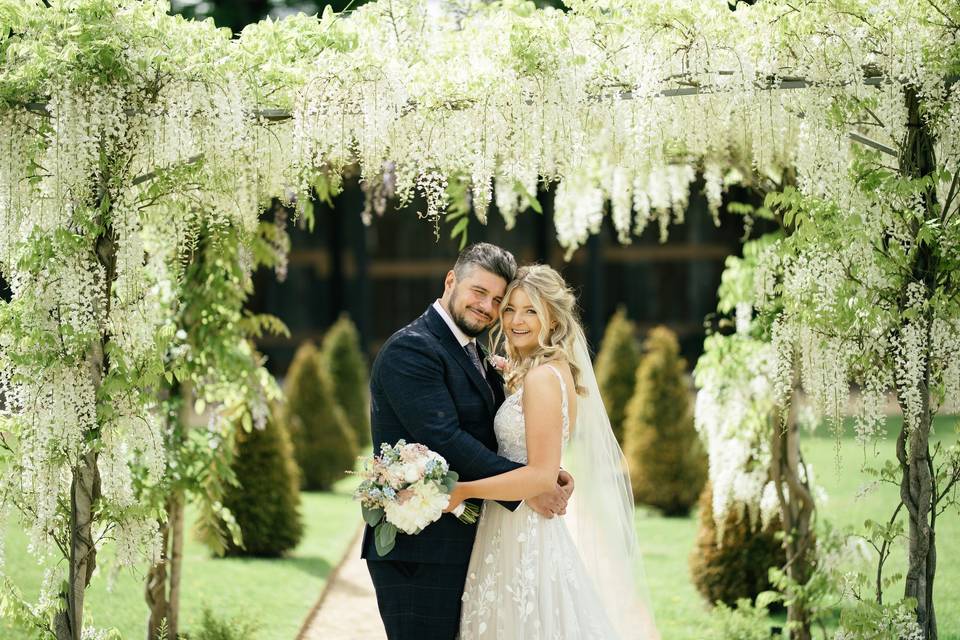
{"x": 471, "y": 349}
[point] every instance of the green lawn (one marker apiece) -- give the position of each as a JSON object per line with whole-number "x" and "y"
{"x": 666, "y": 542}
{"x": 278, "y": 594}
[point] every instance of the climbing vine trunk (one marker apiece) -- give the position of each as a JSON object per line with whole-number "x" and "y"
{"x": 84, "y": 492}
{"x": 156, "y": 590}
{"x": 797, "y": 512}
{"x": 918, "y": 482}
{"x": 163, "y": 579}
{"x": 85, "y": 482}
{"x": 176, "y": 561}
{"x": 916, "y": 491}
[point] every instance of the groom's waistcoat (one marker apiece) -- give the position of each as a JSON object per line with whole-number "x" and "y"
{"x": 424, "y": 388}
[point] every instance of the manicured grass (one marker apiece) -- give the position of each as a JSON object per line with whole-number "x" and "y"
{"x": 666, "y": 542}
{"x": 277, "y": 593}
{"x": 280, "y": 593}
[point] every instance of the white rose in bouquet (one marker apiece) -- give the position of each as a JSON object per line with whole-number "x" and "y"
{"x": 416, "y": 507}
{"x": 411, "y": 473}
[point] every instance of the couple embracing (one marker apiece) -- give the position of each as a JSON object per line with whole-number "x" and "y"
{"x": 529, "y": 569}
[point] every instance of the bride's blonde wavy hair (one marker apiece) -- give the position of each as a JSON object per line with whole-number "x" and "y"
{"x": 556, "y": 307}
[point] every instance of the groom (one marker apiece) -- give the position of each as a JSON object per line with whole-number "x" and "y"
{"x": 431, "y": 384}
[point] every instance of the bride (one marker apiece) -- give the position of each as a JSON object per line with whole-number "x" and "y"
{"x": 535, "y": 578}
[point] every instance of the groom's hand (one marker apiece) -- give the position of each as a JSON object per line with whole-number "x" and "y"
{"x": 565, "y": 482}
{"x": 554, "y": 503}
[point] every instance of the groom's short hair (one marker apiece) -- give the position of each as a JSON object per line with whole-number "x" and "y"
{"x": 488, "y": 257}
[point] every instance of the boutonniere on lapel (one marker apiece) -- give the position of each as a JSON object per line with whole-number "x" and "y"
{"x": 501, "y": 364}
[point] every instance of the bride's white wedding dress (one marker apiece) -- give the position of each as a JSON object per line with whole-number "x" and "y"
{"x": 526, "y": 580}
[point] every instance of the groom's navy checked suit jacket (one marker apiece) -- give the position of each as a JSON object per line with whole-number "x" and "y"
{"x": 424, "y": 388}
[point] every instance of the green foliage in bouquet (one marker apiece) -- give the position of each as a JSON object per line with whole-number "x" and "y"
{"x": 325, "y": 445}
{"x": 266, "y": 502}
{"x": 343, "y": 360}
{"x": 667, "y": 463}
{"x": 735, "y": 566}
{"x": 616, "y": 368}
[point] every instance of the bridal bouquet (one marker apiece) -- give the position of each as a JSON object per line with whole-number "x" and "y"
{"x": 406, "y": 488}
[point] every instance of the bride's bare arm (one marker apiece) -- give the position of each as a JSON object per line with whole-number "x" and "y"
{"x": 544, "y": 433}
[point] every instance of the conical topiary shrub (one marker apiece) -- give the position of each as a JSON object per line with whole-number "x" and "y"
{"x": 324, "y": 444}
{"x": 266, "y": 504}
{"x": 736, "y": 565}
{"x": 667, "y": 463}
{"x": 344, "y": 362}
{"x": 616, "y": 368}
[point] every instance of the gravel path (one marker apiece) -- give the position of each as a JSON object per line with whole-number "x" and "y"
{"x": 348, "y": 607}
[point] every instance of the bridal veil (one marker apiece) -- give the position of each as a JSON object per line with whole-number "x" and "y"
{"x": 601, "y": 512}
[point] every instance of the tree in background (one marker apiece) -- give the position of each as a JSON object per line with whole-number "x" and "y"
{"x": 757, "y": 470}
{"x": 213, "y": 365}
{"x": 667, "y": 463}
{"x": 616, "y": 367}
{"x": 266, "y": 501}
{"x": 323, "y": 441}
{"x": 344, "y": 362}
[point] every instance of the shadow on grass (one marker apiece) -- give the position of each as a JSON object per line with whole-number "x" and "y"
{"x": 310, "y": 565}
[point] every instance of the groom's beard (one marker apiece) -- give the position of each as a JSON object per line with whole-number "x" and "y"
{"x": 460, "y": 319}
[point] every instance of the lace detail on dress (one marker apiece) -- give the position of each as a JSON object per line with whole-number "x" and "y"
{"x": 510, "y": 427}
{"x": 526, "y": 580}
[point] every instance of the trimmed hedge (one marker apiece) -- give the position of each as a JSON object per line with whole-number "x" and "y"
{"x": 324, "y": 444}
{"x": 667, "y": 463}
{"x": 616, "y": 368}
{"x": 346, "y": 365}
{"x": 266, "y": 504}
{"x": 736, "y": 566}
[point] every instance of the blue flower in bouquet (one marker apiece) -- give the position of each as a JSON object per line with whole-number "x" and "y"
{"x": 406, "y": 488}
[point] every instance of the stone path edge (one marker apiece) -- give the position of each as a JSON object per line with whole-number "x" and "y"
{"x": 308, "y": 621}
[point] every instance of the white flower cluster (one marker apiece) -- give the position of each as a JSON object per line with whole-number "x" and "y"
{"x": 895, "y": 623}
{"x": 733, "y": 414}
{"x": 405, "y": 488}
{"x": 944, "y": 361}
{"x": 424, "y": 505}
{"x": 824, "y": 366}
{"x": 911, "y": 350}
{"x": 871, "y": 415}
{"x": 103, "y": 197}
{"x": 101, "y": 200}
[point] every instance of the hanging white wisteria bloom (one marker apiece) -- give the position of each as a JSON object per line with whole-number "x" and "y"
{"x": 103, "y": 188}
{"x": 127, "y": 133}
{"x": 733, "y": 415}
